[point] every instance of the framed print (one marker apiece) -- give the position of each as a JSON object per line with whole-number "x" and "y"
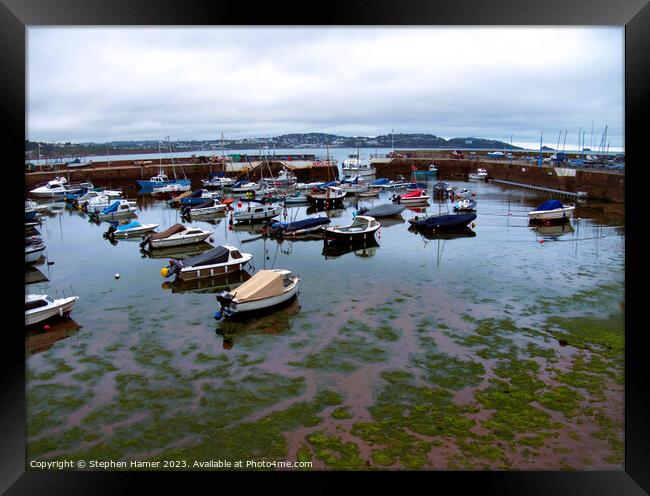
{"x": 399, "y": 242}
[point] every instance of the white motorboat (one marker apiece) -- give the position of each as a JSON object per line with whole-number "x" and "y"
{"x": 479, "y": 174}
{"x": 257, "y": 213}
{"x": 218, "y": 261}
{"x": 34, "y": 250}
{"x": 266, "y": 289}
{"x": 285, "y": 178}
{"x": 208, "y": 207}
{"x": 59, "y": 187}
{"x": 170, "y": 188}
{"x": 352, "y": 166}
{"x": 551, "y": 211}
{"x": 131, "y": 230}
{"x": 462, "y": 193}
{"x": 362, "y": 228}
{"x": 177, "y": 235}
{"x": 244, "y": 187}
{"x": 217, "y": 182}
{"x": 42, "y": 307}
{"x": 329, "y": 194}
{"x": 117, "y": 209}
{"x": 307, "y": 186}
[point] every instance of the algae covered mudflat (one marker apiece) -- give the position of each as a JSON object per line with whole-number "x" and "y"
{"x": 490, "y": 352}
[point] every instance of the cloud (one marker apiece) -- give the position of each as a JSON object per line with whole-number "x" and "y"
{"x": 144, "y": 83}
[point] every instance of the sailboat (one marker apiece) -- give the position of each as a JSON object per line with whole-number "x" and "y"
{"x": 161, "y": 179}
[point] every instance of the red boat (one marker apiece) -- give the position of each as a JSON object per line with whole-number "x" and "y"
{"x": 417, "y": 197}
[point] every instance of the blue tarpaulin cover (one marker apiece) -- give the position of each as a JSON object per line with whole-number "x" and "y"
{"x": 111, "y": 208}
{"x": 325, "y": 185}
{"x": 124, "y": 227}
{"x": 550, "y": 205}
{"x": 383, "y": 180}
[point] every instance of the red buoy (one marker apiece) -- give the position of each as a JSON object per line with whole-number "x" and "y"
{"x": 541, "y": 241}
{"x": 46, "y": 327}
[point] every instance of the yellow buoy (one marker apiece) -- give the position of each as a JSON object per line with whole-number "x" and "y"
{"x": 164, "y": 271}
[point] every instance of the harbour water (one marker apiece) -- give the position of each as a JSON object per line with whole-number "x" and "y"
{"x": 499, "y": 350}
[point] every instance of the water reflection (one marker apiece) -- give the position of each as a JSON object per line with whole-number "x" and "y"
{"x": 364, "y": 248}
{"x": 177, "y": 252}
{"x": 38, "y": 340}
{"x": 553, "y": 231}
{"x": 464, "y": 232}
{"x": 213, "y": 284}
{"x": 34, "y": 275}
{"x": 272, "y": 321}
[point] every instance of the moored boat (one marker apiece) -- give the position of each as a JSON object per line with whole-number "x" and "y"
{"x": 177, "y": 235}
{"x": 266, "y": 289}
{"x": 465, "y": 205}
{"x": 117, "y": 209}
{"x": 129, "y": 230}
{"x": 417, "y": 197}
{"x": 299, "y": 228}
{"x": 551, "y": 211}
{"x": 442, "y": 222}
{"x": 207, "y": 207}
{"x": 161, "y": 180}
{"x": 479, "y": 175}
{"x": 329, "y": 194}
{"x": 218, "y": 261}
{"x": 361, "y": 228}
{"x": 383, "y": 210}
{"x": 257, "y": 213}
{"x": 34, "y": 250}
{"x": 42, "y": 307}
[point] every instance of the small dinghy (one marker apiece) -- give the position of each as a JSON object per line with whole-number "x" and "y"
{"x": 117, "y": 209}
{"x": 386, "y": 183}
{"x": 370, "y": 192}
{"x": 299, "y": 228}
{"x": 362, "y": 228}
{"x": 170, "y": 188}
{"x": 266, "y": 289}
{"x": 218, "y": 261}
{"x": 177, "y": 235}
{"x": 257, "y": 213}
{"x": 465, "y": 205}
{"x": 442, "y": 222}
{"x": 217, "y": 181}
{"x": 551, "y": 211}
{"x": 307, "y": 186}
{"x": 384, "y": 210}
{"x": 417, "y": 197}
{"x": 130, "y": 230}
{"x": 42, "y": 307}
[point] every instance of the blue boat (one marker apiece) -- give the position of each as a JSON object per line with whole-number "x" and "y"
{"x": 161, "y": 180}
{"x": 196, "y": 198}
{"x": 417, "y": 186}
{"x": 30, "y": 215}
{"x": 444, "y": 222}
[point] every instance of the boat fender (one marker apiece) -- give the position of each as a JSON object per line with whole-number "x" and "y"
{"x": 60, "y": 311}
{"x": 218, "y": 314}
{"x": 164, "y": 271}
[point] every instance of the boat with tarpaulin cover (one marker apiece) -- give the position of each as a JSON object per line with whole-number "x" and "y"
{"x": 218, "y": 261}
{"x": 266, "y": 289}
{"x": 551, "y": 211}
{"x": 177, "y": 235}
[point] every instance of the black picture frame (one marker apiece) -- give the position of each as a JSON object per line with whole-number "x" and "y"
{"x": 16, "y": 15}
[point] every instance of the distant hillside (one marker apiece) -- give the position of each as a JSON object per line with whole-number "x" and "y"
{"x": 300, "y": 140}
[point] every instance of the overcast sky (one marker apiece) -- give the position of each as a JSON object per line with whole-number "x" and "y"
{"x": 103, "y": 84}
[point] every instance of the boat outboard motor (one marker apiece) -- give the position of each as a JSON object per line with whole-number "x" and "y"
{"x": 145, "y": 242}
{"x": 224, "y": 298}
{"x": 111, "y": 232}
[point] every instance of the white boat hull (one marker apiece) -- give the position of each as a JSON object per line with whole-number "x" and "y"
{"x": 135, "y": 231}
{"x": 250, "y": 306}
{"x": 44, "y": 313}
{"x": 179, "y": 241}
{"x": 358, "y": 171}
{"x": 32, "y": 255}
{"x": 188, "y": 273}
{"x": 555, "y": 214}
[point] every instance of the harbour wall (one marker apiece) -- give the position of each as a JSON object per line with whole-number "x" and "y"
{"x": 124, "y": 174}
{"x": 604, "y": 185}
